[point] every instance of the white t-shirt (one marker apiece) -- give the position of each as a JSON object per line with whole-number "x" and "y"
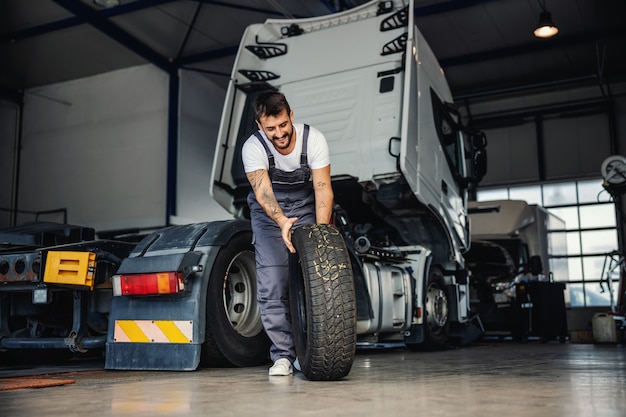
{"x": 255, "y": 158}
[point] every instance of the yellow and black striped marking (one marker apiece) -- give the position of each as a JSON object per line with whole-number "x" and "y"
{"x": 153, "y": 331}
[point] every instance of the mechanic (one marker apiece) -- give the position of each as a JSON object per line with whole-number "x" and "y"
{"x": 288, "y": 166}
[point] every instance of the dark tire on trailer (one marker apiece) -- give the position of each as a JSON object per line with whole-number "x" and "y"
{"x": 323, "y": 302}
{"x": 234, "y": 332}
{"x": 436, "y": 313}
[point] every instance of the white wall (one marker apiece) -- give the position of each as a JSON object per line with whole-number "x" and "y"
{"x": 201, "y": 103}
{"x": 98, "y": 147}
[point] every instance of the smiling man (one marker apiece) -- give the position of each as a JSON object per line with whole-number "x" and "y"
{"x": 288, "y": 166}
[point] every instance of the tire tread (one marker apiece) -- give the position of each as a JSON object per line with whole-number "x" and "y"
{"x": 329, "y": 287}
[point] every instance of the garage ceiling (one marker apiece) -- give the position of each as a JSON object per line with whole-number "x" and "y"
{"x": 485, "y": 46}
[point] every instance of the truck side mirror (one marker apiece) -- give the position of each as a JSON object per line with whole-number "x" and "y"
{"x": 534, "y": 265}
{"x": 479, "y": 140}
{"x": 479, "y": 160}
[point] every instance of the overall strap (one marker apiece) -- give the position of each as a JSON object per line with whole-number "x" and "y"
{"x": 303, "y": 158}
{"x": 270, "y": 157}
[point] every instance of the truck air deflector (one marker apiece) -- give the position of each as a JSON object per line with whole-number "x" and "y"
{"x": 266, "y": 50}
{"x": 254, "y": 86}
{"x": 256, "y": 75}
{"x": 395, "y": 46}
{"x": 395, "y": 21}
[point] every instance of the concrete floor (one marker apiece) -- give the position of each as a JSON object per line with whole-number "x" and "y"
{"x": 486, "y": 379}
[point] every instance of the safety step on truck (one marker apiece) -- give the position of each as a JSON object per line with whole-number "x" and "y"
{"x": 390, "y": 269}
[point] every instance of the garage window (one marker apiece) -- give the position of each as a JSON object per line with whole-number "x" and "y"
{"x": 584, "y": 254}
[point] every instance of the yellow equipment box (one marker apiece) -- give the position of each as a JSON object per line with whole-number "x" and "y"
{"x": 70, "y": 268}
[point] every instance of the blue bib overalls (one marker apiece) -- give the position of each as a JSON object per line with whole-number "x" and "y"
{"x": 295, "y": 195}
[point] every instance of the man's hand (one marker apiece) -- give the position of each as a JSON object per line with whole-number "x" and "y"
{"x": 285, "y": 229}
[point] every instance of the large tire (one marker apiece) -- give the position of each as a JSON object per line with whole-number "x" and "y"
{"x": 436, "y": 311}
{"x": 323, "y": 303}
{"x": 234, "y": 332}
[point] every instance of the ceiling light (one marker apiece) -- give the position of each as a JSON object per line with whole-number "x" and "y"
{"x": 107, "y": 3}
{"x": 546, "y": 27}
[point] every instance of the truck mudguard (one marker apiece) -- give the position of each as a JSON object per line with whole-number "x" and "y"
{"x": 166, "y": 332}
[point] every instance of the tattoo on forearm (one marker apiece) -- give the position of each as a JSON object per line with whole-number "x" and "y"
{"x": 255, "y": 179}
{"x": 271, "y": 205}
{"x": 265, "y": 197}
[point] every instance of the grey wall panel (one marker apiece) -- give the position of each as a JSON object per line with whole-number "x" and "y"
{"x": 512, "y": 155}
{"x": 98, "y": 147}
{"x": 620, "y": 123}
{"x": 576, "y": 147}
{"x": 8, "y": 130}
{"x": 201, "y": 103}
{"x": 565, "y": 135}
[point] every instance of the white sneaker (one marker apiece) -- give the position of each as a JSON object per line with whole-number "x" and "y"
{"x": 282, "y": 367}
{"x": 296, "y": 365}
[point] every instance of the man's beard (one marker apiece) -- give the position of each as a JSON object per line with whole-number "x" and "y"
{"x": 289, "y": 137}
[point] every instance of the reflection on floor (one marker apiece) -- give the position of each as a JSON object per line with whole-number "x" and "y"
{"x": 486, "y": 379}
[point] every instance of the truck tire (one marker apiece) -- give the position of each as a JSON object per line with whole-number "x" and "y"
{"x": 323, "y": 302}
{"x": 234, "y": 332}
{"x": 436, "y": 311}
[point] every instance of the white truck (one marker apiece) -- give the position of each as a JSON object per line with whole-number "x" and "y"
{"x": 510, "y": 253}
{"x": 390, "y": 269}
{"x": 367, "y": 79}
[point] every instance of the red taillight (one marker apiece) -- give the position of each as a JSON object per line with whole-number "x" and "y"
{"x": 148, "y": 284}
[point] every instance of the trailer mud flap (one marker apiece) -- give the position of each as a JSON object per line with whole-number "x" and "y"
{"x": 153, "y": 345}
{"x": 154, "y": 334}
{"x": 146, "y": 344}
{"x": 152, "y": 356}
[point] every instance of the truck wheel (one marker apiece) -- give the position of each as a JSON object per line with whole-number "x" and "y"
{"x": 323, "y": 302}
{"x": 234, "y": 332}
{"x": 436, "y": 321}
{"x": 436, "y": 307}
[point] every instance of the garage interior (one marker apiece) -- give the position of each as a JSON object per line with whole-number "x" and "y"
{"x": 121, "y": 100}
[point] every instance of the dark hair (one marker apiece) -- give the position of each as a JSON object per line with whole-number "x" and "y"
{"x": 270, "y": 103}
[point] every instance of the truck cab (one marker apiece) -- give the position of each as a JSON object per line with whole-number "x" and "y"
{"x": 401, "y": 159}
{"x": 381, "y": 99}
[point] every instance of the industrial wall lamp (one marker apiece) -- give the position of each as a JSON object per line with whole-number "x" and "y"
{"x": 546, "y": 27}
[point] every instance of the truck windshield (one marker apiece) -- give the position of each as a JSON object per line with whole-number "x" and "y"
{"x": 246, "y": 128}
{"x": 450, "y": 135}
